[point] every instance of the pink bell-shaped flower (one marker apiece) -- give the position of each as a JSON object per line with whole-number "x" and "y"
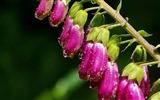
{"x": 108, "y": 86}
{"x": 43, "y": 9}
{"x": 59, "y": 13}
{"x": 145, "y": 83}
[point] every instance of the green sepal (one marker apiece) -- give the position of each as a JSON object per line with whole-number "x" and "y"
{"x": 97, "y": 20}
{"x": 127, "y": 70}
{"x": 93, "y": 34}
{"x": 75, "y": 8}
{"x": 81, "y": 18}
{"x": 156, "y": 86}
{"x": 113, "y": 40}
{"x": 119, "y": 6}
{"x": 137, "y": 73}
{"x": 144, "y": 33}
{"x": 68, "y": 1}
{"x": 113, "y": 52}
{"x": 155, "y": 96}
{"x": 103, "y": 36}
{"x": 129, "y": 44}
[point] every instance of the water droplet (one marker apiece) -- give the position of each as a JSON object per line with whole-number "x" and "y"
{"x": 65, "y": 54}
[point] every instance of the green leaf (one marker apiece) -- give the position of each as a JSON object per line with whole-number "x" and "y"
{"x": 119, "y": 6}
{"x": 97, "y": 20}
{"x": 144, "y": 33}
{"x": 129, "y": 44}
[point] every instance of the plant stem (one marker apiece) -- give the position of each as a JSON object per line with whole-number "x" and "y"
{"x": 91, "y": 8}
{"x": 149, "y": 63}
{"x": 113, "y": 13}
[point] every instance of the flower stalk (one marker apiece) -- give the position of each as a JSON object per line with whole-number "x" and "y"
{"x": 113, "y": 13}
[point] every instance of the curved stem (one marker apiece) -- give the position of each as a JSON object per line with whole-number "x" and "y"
{"x": 150, "y": 49}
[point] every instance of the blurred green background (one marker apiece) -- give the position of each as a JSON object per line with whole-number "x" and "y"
{"x": 32, "y": 66}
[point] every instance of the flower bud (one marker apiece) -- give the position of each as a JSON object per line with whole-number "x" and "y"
{"x": 113, "y": 40}
{"x": 74, "y": 42}
{"x": 103, "y": 36}
{"x": 43, "y": 9}
{"x": 108, "y": 86}
{"x": 145, "y": 84}
{"x": 85, "y": 59}
{"x": 133, "y": 92}
{"x": 65, "y": 32}
{"x": 113, "y": 52}
{"x": 139, "y": 54}
{"x": 98, "y": 61}
{"x": 81, "y": 18}
{"x": 75, "y": 8}
{"x": 59, "y": 13}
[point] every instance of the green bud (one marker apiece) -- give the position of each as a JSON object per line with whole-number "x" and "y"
{"x": 137, "y": 73}
{"x": 75, "y": 8}
{"x": 127, "y": 70}
{"x": 155, "y": 96}
{"x": 113, "y": 40}
{"x": 103, "y": 36}
{"x": 93, "y": 34}
{"x": 113, "y": 52}
{"x": 81, "y": 18}
{"x": 97, "y": 20}
{"x": 156, "y": 86}
{"x": 139, "y": 54}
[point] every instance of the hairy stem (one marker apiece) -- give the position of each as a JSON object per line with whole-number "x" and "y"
{"x": 113, "y": 13}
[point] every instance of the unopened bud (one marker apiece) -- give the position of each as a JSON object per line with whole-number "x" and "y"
{"x": 113, "y": 52}
{"x": 75, "y": 8}
{"x": 81, "y": 18}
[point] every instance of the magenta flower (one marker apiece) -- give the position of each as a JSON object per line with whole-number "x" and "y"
{"x": 43, "y": 9}
{"x": 97, "y": 62}
{"x": 108, "y": 86}
{"x": 83, "y": 67}
{"x": 145, "y": 84}
{"x": 121, "y": 88}
{"x": 66, "y": 30}
{"x": 95, "y": 85}
{"x": 74, "y": 41}
{"x": 59, "y": 13}
{"x": 133, "y": 92}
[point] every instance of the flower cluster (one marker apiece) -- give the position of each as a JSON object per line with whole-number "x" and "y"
{"x": 99, "y": 52}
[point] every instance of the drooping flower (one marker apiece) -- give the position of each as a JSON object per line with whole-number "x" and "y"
{"x": 97, "y": 62}
{"x": 94, "y": 61}
{"x": 133, "y": 92}
{"x": 145, "y": 84}
{"x": 74, "y": 41}
{"x": 66, "y": 30}
{"x": 108, "y": 86}
{"x": 83, "y": 67}
{"x": 43, "y": 9}
{"x": 59, "y": 13}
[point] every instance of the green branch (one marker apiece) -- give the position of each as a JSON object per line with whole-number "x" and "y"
{"x": 113, "y": 13}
